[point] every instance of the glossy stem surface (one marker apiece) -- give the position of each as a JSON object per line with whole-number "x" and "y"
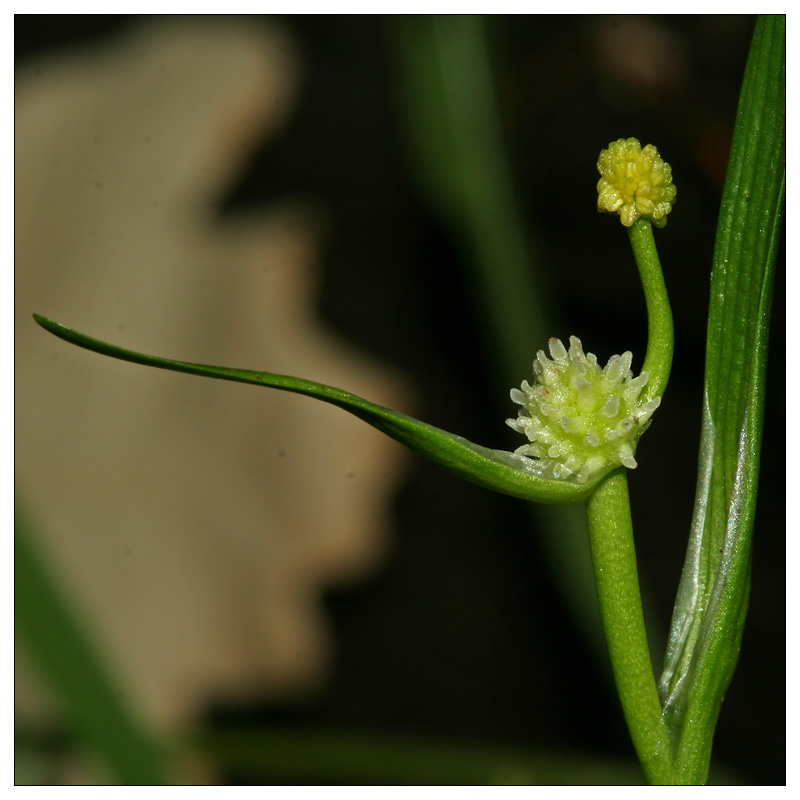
{"x": 660, "y": 333}
{"x": 617, "y": 580}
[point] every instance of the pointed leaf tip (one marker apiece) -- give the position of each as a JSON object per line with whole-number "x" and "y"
{"x": 498, "y": 470}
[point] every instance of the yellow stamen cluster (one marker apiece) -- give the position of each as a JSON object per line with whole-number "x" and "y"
{"x": 635, "y": 182}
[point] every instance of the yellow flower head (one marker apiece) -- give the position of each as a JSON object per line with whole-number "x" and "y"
{"x": 635, "y": 182}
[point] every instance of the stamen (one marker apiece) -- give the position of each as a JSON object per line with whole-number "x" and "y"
{"x": 635, "y": 182}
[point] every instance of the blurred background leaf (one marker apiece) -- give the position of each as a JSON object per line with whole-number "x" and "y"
{"x": 457, "y": 138}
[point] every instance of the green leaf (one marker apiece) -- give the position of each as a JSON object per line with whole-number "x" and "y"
{"x": 456, "y": 139}
{"x": 67, "y": 660}
{"x": 498, "y": 470}
{"x": 713, "y": 595}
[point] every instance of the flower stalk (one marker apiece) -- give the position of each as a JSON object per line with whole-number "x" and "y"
{"x": 637, "y": 184}
{"x": 584, "y": 422}
{"x": 660, "y": 330}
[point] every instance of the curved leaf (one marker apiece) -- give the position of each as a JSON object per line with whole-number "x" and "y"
{"x": 498, "y": 470}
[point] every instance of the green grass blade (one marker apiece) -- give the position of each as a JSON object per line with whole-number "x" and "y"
{"x": 457, "y": 138}
{"x": 498, "y": 470}
{"x": 451, "y": 110}
{"x": 66, "y": 659}
{"x": 712, "y": 599}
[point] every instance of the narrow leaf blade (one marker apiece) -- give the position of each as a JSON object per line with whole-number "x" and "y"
{"x": 713, "y": 596}
{"x": 498, "y": 470}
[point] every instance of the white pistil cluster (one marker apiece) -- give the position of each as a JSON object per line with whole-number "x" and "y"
{"x": 581, "y": 419}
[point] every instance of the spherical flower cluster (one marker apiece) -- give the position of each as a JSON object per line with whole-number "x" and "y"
{"x": 581, "y": 419}
{"x": 635, "y": 182}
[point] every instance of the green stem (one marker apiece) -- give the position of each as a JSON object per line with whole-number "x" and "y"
{"x": 613, "y": 553}
{"x": 658, "y": 359}
{"x": 617, "y": 579}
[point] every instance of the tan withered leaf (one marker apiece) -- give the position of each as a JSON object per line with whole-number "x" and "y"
{"x": 196, "y": 523}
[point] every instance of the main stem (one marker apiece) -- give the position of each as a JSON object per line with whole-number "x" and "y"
{"x": 617, "y": 580}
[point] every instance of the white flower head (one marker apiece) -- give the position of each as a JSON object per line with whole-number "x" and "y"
{"x": 581, "y": 419}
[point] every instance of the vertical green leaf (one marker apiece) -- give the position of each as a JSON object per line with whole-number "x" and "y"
{"x": 457, "y": 139}
{"x": 713, "y": 595}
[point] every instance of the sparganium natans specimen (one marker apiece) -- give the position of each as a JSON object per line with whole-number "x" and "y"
{"x": 582, "y": 421}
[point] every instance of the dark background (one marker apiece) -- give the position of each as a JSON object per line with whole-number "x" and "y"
{"x": 461, "y": 636}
